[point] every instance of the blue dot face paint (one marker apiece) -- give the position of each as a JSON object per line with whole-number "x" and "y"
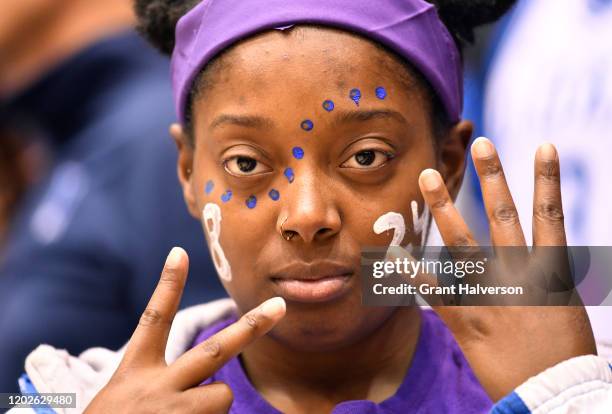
{"x": 298, "y": 153}
{"x": 274, "y": 194}
{"x": 307, "y": 125}
{"x": 227, "y": 196}
{"x": 289, "y": 174}
{"x": 209, "y": 187}
{"x": 381, "y": 93}
{"x": 355, "y": 95}
{"x": 251, "y": 202}
{"x": 328, "y": 105}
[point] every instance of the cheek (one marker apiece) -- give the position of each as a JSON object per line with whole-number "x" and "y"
{"x": 244, "y": 233}
{"x": 401, "y": 216}
{"x": 386, "y": 226}
{"x": 393, "y": 216}
{"x": 245, "y": 239}
{"x": 236, "y": 227}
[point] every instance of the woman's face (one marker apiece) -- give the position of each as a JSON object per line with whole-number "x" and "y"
{"x": 265, "y": 109}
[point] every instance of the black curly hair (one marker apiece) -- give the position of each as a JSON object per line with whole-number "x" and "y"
{"x": 157, "y": 21}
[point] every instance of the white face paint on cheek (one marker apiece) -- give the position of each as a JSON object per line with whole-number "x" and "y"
{"x": 391, "y": 221}
{"x": 211, "y": 220}
{"x": 395, "y": 221}
{"x": 419, "y": 224}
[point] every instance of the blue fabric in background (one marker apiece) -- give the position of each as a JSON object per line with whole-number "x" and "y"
{"x": 511, "y": 404}
{"x": 88, "y": 246}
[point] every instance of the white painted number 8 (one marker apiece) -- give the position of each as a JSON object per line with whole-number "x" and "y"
{"x": 211, "y": 220}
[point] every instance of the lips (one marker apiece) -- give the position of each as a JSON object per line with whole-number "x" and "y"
{"x": 311, "y": 283}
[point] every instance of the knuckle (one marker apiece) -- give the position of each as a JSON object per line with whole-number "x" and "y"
{"x": 150, "y": 317}
{"x": 491, "y": 168}
{"x": 549, "y": 171}
{"x": 251, "y": 321}
{"x": 505, "y": 214}
{"x": 211, "y": 348}
{"x": 462, "y": 240}
{"x": 549, "y": 211}
{"x": 440, "y": 203}
{"x": 171, "y": 280}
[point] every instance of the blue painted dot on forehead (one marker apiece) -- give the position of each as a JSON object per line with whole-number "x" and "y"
{"x": 328, "y": 105}
{"x": 227, "y": 196}
{"x": 381, "y": 93}
{"x": 251, "y": 202}
{"x": 274, "y": 194}
{"x": 289, "y": 174}
{"x": 355, "y": 95}
{"x": 209, "y": 187}
{"x": 298, "y": 153}
{"x": 307, "y": 125}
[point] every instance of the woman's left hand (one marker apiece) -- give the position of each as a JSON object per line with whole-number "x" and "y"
{"x": 506, "y": 345}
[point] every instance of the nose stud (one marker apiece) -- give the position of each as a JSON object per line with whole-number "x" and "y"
{"x": 286, "y": 234}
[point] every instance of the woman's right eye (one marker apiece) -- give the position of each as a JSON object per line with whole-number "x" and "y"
{"x": 241, "y": 165}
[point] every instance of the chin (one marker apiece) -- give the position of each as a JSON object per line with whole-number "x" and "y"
{"x": 326, "y": 327}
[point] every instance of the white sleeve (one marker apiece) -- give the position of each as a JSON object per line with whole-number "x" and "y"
{"x": 579, "y": 385}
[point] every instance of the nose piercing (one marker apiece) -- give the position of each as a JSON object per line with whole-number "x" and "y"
{"x": 287, "y": 235}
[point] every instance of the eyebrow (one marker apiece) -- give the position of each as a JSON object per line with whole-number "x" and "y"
{"x": 248, "y": 121}
{"x": 367, "y": 115}
{"x": 255, "y": 121}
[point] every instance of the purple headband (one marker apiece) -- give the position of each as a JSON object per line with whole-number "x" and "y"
{"x": 411, "y": 28}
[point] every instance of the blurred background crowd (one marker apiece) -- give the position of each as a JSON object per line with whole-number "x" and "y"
{"x": 89, "y": 200}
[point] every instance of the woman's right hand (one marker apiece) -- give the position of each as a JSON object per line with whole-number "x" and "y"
{"x": 144, "y": 383}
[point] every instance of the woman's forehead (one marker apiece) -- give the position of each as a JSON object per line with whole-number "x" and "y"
{"x": 287, "y": 77}
{"x": 304, "y": 57}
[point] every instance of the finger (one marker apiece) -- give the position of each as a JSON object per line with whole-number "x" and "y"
{"x": 451, "y": 225}
{"x": 501, "y": 211}
{"x": 149, "y": 339}
{"x": 200, "y": 362}
{"x": 455, "y": 233}
{"x": 215, "y": 398}
{"x": 548, "y": 227}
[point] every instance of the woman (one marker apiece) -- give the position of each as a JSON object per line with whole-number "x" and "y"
{"x": 306, "y": 128}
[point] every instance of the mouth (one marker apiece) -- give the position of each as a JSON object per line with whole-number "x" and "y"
{"x": 312, "y": 283}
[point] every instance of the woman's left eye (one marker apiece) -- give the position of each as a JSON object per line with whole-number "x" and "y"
{"x": 367, "y": 159}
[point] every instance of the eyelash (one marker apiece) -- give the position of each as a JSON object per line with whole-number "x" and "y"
{"x": 227, "y": 162}
{"x": 388, "y": 155}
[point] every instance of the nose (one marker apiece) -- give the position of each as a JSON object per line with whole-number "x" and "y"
{"x": 309, "y": 213}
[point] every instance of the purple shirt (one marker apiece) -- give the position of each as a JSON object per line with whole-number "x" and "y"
{"x": 439, "y": 379}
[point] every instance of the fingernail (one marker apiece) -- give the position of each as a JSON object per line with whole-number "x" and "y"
{"x": 430, "y": 179}
{"x": 274, "y": 308}
{"x": 547, "y": 152}
{"x": 482, "y": 147}
{"x": 174, "y": 258}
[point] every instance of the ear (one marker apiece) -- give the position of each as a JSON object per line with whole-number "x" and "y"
{"x": 453, "y": 152}
{"x": 184, "y": 167}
